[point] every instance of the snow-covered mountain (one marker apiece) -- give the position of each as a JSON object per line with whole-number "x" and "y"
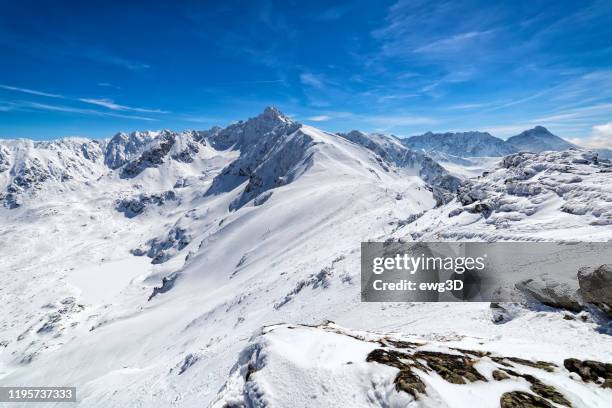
{"x": 536, "y": 140}
{"x": 461, "y": 144}
{"x": 537, "y": 196}
{"x": 154, "y": 268}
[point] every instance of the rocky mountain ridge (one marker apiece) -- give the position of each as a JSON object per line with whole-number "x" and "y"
{"x": 483, "y": 144}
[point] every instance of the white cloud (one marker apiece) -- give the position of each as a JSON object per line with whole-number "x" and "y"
{"x": 600, "y": 137}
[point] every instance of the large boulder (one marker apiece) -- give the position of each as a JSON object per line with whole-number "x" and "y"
{"x": 596, "y": 286}
{"x": 551, "y": 293}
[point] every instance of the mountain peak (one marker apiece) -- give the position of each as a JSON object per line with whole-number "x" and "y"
{"x": 538, "y": 139}
{"x": 271, "y": 113}
{"x": 537, "y": 131}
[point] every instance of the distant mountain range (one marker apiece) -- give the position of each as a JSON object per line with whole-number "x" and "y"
{"x": 483, "y": 144}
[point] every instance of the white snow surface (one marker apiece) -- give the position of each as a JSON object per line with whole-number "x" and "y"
{"x": 263, "y": 227}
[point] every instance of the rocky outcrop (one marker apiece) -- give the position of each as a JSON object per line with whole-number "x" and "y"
{"x": 153, "y": 156}
{"x": 162, "y": 249}
{"x": 524, "y": 180}
{"x": 131, "y": 207}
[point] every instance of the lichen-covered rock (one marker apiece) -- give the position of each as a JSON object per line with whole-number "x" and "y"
{"x": 591, "y": 371}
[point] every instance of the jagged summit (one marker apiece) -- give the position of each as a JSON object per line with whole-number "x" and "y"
{"x": 247, "y": 133}
{"x": 273, "y": 114}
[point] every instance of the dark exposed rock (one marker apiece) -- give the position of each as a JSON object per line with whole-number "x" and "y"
{"x": 186, "y": 155}
{"x": 406, "y": 380}
{"x": 409, "y": 382}
{"x": 499, "y": 375}
{"x": 521, "y": 399}
{"x": 455, "y": 369}
{"x": 590, "y": 370}
{"x": 543, "y": 390}
{"x": 167, "y": 284}
{"x": 542, "y": 365}
{"x": 152, "y": 157}
{"x": 132, "y": 207}
{"x": 160, "y": 250}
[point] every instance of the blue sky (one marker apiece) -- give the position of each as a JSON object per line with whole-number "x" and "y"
{"x": 400, "y": 67}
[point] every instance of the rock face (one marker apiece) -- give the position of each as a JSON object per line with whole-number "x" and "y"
{"x": 123, "y": 147}
{"x": 153, "y": 156}
{"x": 246, "y": 134}
{"x": 537, "y": 140}
{"x": 596, "y": 286}
{"x": 462, "y": 144}
{"x": 272, "y": 148}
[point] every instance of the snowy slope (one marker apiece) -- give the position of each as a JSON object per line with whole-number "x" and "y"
{"x": 329, "y": 366}
{"x": 144, "y": 287}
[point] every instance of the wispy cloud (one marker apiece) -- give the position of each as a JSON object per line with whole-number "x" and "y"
{"x": 333, "y": 13}
{"x": 453, "y": 43}
{"x": 105, "y": 103}
{"x": 70, "y": 109}
{"x": 31, "y": 91}
{"x": 108, "y": 85}
{"x": 319, "y": 118}
{"x": 469, "y": 106}
{"x": 109, "y": 58}
{"x": 109, "y": 104}
{"x": 310, "y": 79}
